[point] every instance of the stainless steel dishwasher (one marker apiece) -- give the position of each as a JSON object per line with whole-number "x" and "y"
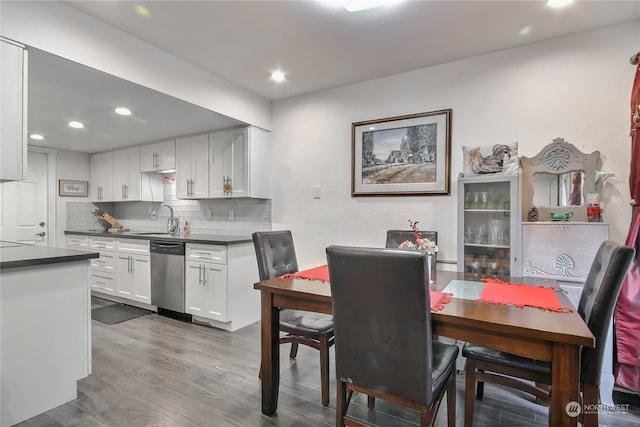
{"x": 167, "y": 278}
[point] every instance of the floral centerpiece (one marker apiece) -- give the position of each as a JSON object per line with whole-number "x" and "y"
{"x": 421, "y": 244}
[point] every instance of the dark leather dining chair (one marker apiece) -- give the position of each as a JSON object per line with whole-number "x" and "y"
{"x": 396, "y": 237}
{"x": 276, "y": 255}
{"x": 597, "y": 302}
{"x": 382, "y": 321}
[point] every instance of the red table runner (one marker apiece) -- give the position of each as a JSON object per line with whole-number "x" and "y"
{"x": 437, "y": 299}
{"x": 521, "y": 295}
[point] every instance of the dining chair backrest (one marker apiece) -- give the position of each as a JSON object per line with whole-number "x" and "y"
{"x": 396, "y": 237}
{"x": 598, "y": 300}
{"x": 275, "y": 252}
{"x": 382, "y": 320}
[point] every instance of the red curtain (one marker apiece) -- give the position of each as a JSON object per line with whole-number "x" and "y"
{"x": 627, "y": 314}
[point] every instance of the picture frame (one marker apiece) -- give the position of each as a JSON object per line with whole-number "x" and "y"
{"x": 402, "y": 156}
{"x": 68, "y": 188}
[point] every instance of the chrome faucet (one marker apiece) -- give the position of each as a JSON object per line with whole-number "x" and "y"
{"x": 172, "y": 224}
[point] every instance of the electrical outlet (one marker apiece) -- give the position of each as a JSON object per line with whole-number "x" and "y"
{"x": 316, "y": 192}
{"x": 209, "y": 214}
{"x": 232, "y": 215}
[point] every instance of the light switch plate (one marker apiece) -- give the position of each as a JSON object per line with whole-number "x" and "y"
{"x": 316, "y": 192}
{"x": 232, "y": 215}
{"x": 209, "y": 214}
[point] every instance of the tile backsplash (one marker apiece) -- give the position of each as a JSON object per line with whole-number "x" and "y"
{"x": 249, "y": 215}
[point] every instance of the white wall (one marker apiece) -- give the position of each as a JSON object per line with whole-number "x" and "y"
{"x": 72, "y": 166}
{"x": 576, "y": 87}
{"x": 59, "y": 29}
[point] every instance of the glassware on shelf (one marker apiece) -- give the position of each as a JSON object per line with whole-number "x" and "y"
{"x": 495, "y": 201}
{"x": 495, "y": 228}
{"x": 484, "y": 200}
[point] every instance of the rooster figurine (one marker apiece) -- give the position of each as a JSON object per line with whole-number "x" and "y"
{"x": 489, "y": 164}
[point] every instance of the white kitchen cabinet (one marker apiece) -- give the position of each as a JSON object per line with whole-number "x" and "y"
{"x": 102, "y": 271}
{"x": 102, "y": 177}
{"x": 158, "y": 156}
{"x": 130, "y": 183}
{"x": 239, "y": 163}
{"x": 219, "y": 284}
{"x": 192, "y": 167}
{"x": 13, "y": 111}
{"x": 489, "y": 225}
{"x": 206, "y": 281}
{"x": 206, "y": 290}
{"x": 134, "y": 270}
{"x": 77, "y": 241}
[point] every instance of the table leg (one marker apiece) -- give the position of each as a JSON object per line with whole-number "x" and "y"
{"x": 270, "y": 332}
{"x": 565, "y": 385}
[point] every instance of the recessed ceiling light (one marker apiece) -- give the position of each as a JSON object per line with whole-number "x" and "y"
{"x": 559, "y": 4}
{"x": 123, "y": 111}
{"x": 359, "y": 5}
{"x": 278, "y": 76}
{"x": 36, "y": 136}
{"x": 76, "y": 125}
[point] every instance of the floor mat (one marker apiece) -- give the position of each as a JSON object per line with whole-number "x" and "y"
{"x": 116, "y": 313}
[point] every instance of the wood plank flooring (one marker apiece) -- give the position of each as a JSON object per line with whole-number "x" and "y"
{"x": 156, "y": 371}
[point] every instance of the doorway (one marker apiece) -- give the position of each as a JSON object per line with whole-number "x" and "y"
{"x": 27, "y": 214}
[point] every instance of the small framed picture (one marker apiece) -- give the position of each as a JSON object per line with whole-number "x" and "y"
{"x": 73, "y": 188}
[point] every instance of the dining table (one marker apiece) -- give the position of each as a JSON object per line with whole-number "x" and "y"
{"x": 555, "y": 336}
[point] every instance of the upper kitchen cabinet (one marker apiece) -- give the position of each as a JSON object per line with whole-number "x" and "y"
{"x": 192, "y": 167}
{"x": 130, "y": 183}
{"x": 158, "y": 156}
{"x": 13, "y": 114}
{"x": 102, "y": 178}
{"x": 239, "y": 163}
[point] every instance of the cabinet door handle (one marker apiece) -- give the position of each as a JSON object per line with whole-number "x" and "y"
{"x": 133, "y": 265}
{"x": 199, "y": 274}
{"x": 204, "y": 275}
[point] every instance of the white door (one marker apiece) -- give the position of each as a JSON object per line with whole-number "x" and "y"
{"x": 24, "y": 210}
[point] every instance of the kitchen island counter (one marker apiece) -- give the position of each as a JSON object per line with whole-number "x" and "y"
{"x": 45, "y": 328}
{"x": 19, "y": 255}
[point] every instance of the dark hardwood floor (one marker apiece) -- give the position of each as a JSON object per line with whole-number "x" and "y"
{"x": 156, "y": 371}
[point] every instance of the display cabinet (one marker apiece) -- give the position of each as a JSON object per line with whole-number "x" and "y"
{"x": 489, "y": 227}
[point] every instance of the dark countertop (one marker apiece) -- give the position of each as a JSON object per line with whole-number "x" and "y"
{"x": 207, "y": 239}
{"x": 19, "y": 255}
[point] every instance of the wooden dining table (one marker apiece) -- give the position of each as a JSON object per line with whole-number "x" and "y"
{"x": 526, "y": 331}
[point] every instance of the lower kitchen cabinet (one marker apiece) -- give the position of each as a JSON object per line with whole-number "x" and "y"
{"x": 134, "y": 270}
{"x": 219, "y": 285}
{"x": 206, "y": 290}
{"x": 102, "y": 271}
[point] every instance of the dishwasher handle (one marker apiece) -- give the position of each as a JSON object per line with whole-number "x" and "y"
{"x": 171, "y": 248}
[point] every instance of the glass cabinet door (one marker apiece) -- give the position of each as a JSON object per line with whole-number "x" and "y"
{"x": 489, "y": 225}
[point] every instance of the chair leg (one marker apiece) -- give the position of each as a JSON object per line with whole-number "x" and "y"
{"x": 451, "y": 400}
{"x": 341, "y": 403}
{"x": 294, "y": 350}
{"x": 324, "y": 370}
{"x": 469, "y": 393}
{"x": 590, "y": 394}
{"x": 371, "y": 402}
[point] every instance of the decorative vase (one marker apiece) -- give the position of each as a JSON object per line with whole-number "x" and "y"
{"x": 593, "y": 207}
{"x": 430, "y": 268}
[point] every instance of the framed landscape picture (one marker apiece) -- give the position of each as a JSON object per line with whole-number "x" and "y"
{"x": 400, "y": 156}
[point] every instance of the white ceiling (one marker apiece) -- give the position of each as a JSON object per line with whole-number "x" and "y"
{"x": 317, "y": 47}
